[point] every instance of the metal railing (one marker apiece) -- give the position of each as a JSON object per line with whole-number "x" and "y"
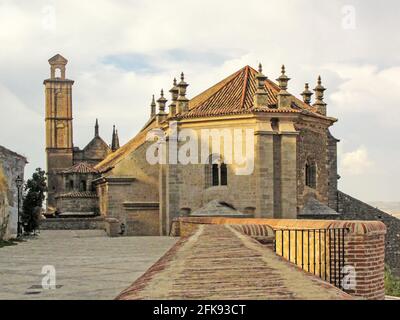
{"x": 318, "y": 251}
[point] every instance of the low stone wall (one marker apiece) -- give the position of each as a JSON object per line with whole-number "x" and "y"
{"x": 73, "y": 224}
{"x": 77, "y": 204}
{"x": 364, "y": 245}
{"x": 142, "y": 218}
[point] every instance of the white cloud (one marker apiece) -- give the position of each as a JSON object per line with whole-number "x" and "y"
{"x": 365, "y": 89}
{"x": 306, "y": 35}
{"x": 356, "y": 162}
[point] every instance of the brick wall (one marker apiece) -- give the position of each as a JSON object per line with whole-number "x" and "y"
{"x": 353, "y": 209}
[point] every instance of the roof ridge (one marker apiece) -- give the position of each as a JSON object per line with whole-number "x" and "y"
{"x": 246, "y": 77}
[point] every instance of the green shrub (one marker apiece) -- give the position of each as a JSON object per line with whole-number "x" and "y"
{"x": 392, "y": 283}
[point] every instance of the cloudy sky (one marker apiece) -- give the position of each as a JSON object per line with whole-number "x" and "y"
{"x": 121, "y": 52}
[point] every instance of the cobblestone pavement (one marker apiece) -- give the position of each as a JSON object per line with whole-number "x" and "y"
{"x": 88, "y": 264}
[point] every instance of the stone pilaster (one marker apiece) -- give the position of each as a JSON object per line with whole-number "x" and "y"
{"x": 264, "y": 170}
{"x": 173, "y": 180}
{"x": 288, "y": 149}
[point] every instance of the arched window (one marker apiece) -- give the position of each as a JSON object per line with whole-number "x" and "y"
{"x": 311, "y": 174}
{"x": 219, "y": 171}
{"x": 57, "y": 73}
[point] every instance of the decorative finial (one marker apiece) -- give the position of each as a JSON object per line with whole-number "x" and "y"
{"x": 260, "y": 97}
{"x": 283, "y": 79}
{"x": 114, "y": 140}
{"x": 96, "y": 128}
{"x": 284, "y": 99}
{"x": 174, "y": 97}
{"x": 182, "y": 101}
{"x": 161, "y": 102}
{"x": 153, "y": 107}
{"x": 319, "y": 97}
{"x": 307, "y": 94}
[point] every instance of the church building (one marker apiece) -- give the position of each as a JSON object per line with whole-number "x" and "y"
{"x": 70, "y": 170}
{"x": 294, "y": 156}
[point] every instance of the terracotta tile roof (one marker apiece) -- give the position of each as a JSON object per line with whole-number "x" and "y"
{"x": 234, "y": 95}
{"x": 78, "y": 194}
{"x": 218, "y": 262}
{"x": 81, "y": 167}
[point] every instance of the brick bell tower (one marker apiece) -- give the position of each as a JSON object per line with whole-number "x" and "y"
{"x": 59, "y": 142}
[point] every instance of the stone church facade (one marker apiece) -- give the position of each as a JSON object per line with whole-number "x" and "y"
{"x": 294, "y": 156}
{"x": 70, "y": 170}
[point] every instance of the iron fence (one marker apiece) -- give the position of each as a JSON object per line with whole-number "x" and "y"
{"x": 319, "y": 251}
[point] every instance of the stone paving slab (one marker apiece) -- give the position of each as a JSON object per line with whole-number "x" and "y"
{"x": 88, "y": 264}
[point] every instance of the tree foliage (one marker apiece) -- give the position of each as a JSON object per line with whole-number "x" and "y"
{"x": 35, "y": 189}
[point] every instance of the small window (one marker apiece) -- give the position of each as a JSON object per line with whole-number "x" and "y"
{"x": 219, "y": 171}
{"x": 224, "y": 174}
{"x": 82, "y": 186}
{"x": 311, "y": 174}
{"x": 215, "y": 175}
{"x": 71, "y": 184}
{"x": 57, "y": 73}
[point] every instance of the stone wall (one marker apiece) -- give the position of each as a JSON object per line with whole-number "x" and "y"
{"x": 72, "y": 224}
{"x": 142, "y": 218}
{"x": 83, "y": 203}
{"x": 12, "y": 165}
{"x": 313, "y": 145}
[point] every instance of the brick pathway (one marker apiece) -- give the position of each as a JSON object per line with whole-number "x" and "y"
{"x": 88, "y": 264}
{"x": 217, "y": 262}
